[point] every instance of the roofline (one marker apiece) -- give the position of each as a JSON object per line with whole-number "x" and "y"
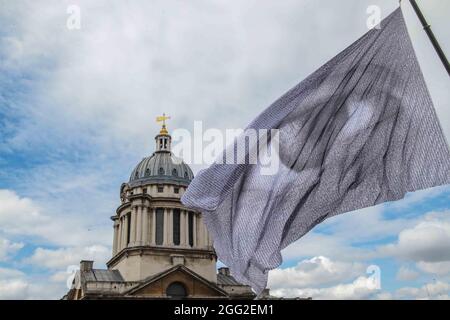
{"x": 173, "y": 201}
{"x": 157, "y": 276}
{"x": 141, "y": 249}
{"x": 167, "y": 179}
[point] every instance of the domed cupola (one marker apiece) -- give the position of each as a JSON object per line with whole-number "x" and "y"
{"x": 153, "y": 230}
{"x": 162, "y": 166}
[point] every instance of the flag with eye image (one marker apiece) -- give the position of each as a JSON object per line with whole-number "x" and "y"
{"x": 359, "y": 131}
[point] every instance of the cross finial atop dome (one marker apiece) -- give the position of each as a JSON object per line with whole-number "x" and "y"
{"x": 163, "y": 139}
{"x": 163, "y": 119}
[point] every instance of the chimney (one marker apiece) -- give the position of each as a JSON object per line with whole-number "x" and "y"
{"x": 86, "y": 265}
{"x": 225, "y": 271}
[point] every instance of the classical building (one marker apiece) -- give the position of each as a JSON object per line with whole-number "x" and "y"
{"x": 161, "y": 249}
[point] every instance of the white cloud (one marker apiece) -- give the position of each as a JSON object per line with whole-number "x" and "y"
{"x": 6, "y": 273}
{"x": 21, "y": 216}
{"x": 314, "y": 272}
{"x": 8, "y": 248}
{"x": 18, "y": 215}
{"x": 367, "y": 224}
{"x": 60, "y": 276}
{"x": 436, "y": 268}
{"x": 360, "y": 288}
{"x": 13, "y": 289}
{"x": 406, "y": 274}
{"x": 62, "y": 258}
{"x": 384, "y": 296}
{"x": 338, "y": 235}
{"x": 13, "y": 284}
{"x": 434, "y": 290}
{"x": 323, "y": 278}
{"x": 427, "y": 241}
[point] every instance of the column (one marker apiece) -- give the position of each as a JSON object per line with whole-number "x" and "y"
{"x": 183, "y": 229}
{"x": 145, "y": 235}
{"x": 153, "y": 225}
{"x": 165, "y": 232}
{"x": 115, "y": 231}
{"x": 187, "y": 228}
{"x": 194, "y": 227}
{"x": 205, "y": 234}
{"x": 200, "y": 232}
{"x": 208, "y": 237}
{"x": 119, "y": 236}
{"x": 170, "y": 226}
{"x": 139, "y": 225}
{"x": 124, "y": 231}
{"x": 133, "y": 226}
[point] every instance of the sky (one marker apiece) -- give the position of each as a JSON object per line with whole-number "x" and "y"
{"x": 77, "y": 110}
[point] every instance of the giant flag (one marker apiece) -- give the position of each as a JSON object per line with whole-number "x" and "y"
{"x": 359, "y": 131}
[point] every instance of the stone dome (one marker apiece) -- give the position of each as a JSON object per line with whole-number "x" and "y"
{"x": 162, "y": 167}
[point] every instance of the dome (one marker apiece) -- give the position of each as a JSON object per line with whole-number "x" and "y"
{"x": 162, "y": 167}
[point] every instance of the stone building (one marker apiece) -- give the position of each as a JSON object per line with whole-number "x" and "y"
{"x": 161, "y": 249}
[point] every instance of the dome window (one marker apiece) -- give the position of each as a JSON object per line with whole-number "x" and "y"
{"x": 160, "y": 189}
{"x": 186, "y": 175}
{"x": 136, "y": 175}
{"x": 147, "y": 172}
{"x": 161, "y": 171}
{"x": 176, "y": 189}
{"x": 175, "y": 172}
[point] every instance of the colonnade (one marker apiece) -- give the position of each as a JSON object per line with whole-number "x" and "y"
{"x": 138, "y": 228}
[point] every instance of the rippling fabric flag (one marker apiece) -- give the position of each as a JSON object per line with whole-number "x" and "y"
{"x": 359, "y": 131}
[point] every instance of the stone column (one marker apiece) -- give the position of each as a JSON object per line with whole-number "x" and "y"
{"x": 166, "y": 229}
{"x": 133, "y": 226}
{"x": 186, "y": 227}
{"x": 115, "y": 231}
{"x": 200, "y": 235}
{"x": 208, "y": 238}
{"x": 145, "y": 235}
{"x": 205, "y": 234}
{"x": 169, "y": 226}
{"x": 194, "y": 227}
{"x": 153, "y": 238}
{"x": 119, "y": 235}
{"x": 124, "y": 231}
{"x": 139, "y": 225}
{"x": 183, "y": 229}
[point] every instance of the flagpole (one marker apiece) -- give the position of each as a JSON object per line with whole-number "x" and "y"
{"x": 431, "y": 36}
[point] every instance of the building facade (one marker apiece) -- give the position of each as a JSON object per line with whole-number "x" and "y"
{"x": 161, "y": 249}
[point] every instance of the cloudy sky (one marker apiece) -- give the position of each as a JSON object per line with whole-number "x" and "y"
{"x": 77, "y": 109}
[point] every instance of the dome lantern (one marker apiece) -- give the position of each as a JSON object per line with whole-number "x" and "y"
{"x": 163, "y": 139}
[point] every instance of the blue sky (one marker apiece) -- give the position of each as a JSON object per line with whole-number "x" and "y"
{"x": 77, "y": 111}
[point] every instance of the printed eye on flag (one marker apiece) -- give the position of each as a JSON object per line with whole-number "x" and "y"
{"x": 359, "y": 131}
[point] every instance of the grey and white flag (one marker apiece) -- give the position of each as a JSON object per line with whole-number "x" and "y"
{"x": 359, "y": 131}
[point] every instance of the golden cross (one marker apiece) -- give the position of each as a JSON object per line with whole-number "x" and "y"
{"x": 162, "y": 118}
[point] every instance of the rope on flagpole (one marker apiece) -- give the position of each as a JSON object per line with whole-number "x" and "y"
{"x": 431, "y": 36}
